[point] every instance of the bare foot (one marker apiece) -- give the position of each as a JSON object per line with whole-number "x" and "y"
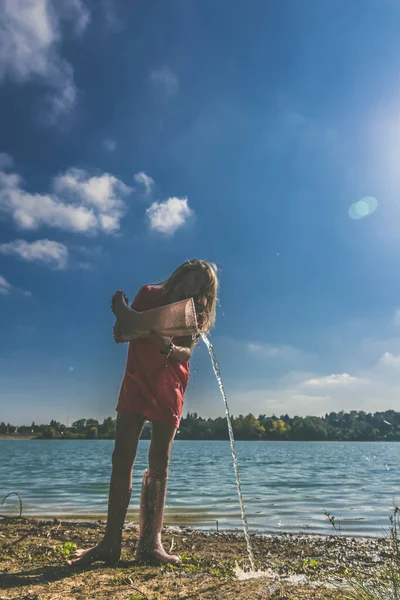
{"x": 157, "y": 556}
{"x": 102, "y": 552}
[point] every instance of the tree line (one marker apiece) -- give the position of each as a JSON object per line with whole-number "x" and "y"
{"x": 341, "y": 426}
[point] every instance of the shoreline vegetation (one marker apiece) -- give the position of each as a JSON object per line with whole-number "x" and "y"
{"x": 353, "y": 426}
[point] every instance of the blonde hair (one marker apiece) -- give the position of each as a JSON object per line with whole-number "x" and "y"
{"x": 206, "y": 300}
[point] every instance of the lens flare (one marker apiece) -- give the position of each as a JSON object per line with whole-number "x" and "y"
{"x": 363, "y": 208}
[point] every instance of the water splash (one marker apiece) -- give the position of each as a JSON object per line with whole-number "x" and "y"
{"x": 217, "y": 372}
{"x": 243, "y": 575}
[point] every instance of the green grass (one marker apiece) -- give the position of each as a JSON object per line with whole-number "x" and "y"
{"x": 222, "y": 569}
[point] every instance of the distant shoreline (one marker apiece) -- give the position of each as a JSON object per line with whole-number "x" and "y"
{"x": 56, "y": 439}
{"x": 353, "y": 426}
{"x": 11, "y": 436}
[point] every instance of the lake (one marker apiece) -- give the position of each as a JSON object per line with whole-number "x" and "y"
{"x": 287, "y": 486}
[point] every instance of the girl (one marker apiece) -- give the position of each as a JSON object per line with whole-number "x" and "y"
{"x": 156, "y": 376}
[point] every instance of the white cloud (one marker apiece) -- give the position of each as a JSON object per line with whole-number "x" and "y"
{"x": 113, "y": 21}
{"x": 79, "y": 202}
{"x": 77, "y": 12}
{"x": 389, "y": 360}
{"x": 165, "y": 80}
{"x": 5, "y": 287}
{"x": 102, "y": 192}
{"x": 110, "y": 145}
{"x": 166, "y": 217}
{"x": 350, "y": 370}
{"x": 281, "y": 351}
{"x": 6, "y": 161}
{"x": 30, "y": 35}
{"x": 144, "y": 180}
{"x": 375, "y": 389}
{"x": 274, "y": 383}
{"x": 281, "y": 397}
{"x": 336, "y": 379}
{"x": 45, "y": 251}
{"x": 65, "y": 97}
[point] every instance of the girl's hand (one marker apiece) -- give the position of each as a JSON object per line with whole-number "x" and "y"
{"x": 160, "y": 341}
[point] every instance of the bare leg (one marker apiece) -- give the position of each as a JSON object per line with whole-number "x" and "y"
{"x": 154, "y": 488}
{"x": 162, "y": 438}
{"x": 129, "y": 427}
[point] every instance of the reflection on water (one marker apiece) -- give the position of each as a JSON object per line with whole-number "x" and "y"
{"x": 287, "y": 486}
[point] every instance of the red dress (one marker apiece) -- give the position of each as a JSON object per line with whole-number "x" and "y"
{"x": 153, "y": 385}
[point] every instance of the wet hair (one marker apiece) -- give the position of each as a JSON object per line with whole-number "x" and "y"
{"x": 206, "y": 300}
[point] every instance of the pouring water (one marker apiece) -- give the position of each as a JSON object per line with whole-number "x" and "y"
{"x": 216, "y": 368}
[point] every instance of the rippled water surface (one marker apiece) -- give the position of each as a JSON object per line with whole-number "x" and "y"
{"x": 287, "y": 486}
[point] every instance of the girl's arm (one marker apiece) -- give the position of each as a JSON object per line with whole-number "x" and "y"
{"x": 181, "y": 352}
{"x": 183, "y": 349}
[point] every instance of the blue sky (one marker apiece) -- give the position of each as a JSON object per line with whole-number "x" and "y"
{"x": 137, "y": 135}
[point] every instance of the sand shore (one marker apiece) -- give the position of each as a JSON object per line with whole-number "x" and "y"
{"x": 33, "y": 554}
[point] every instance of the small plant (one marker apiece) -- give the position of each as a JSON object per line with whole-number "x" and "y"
{"x": 188, "y": 558}
{"x": 383, "y": 584}
{"x": 332, "y": 521}
{"x": 311, "y": 564}
{"x": 65, "y": 550}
